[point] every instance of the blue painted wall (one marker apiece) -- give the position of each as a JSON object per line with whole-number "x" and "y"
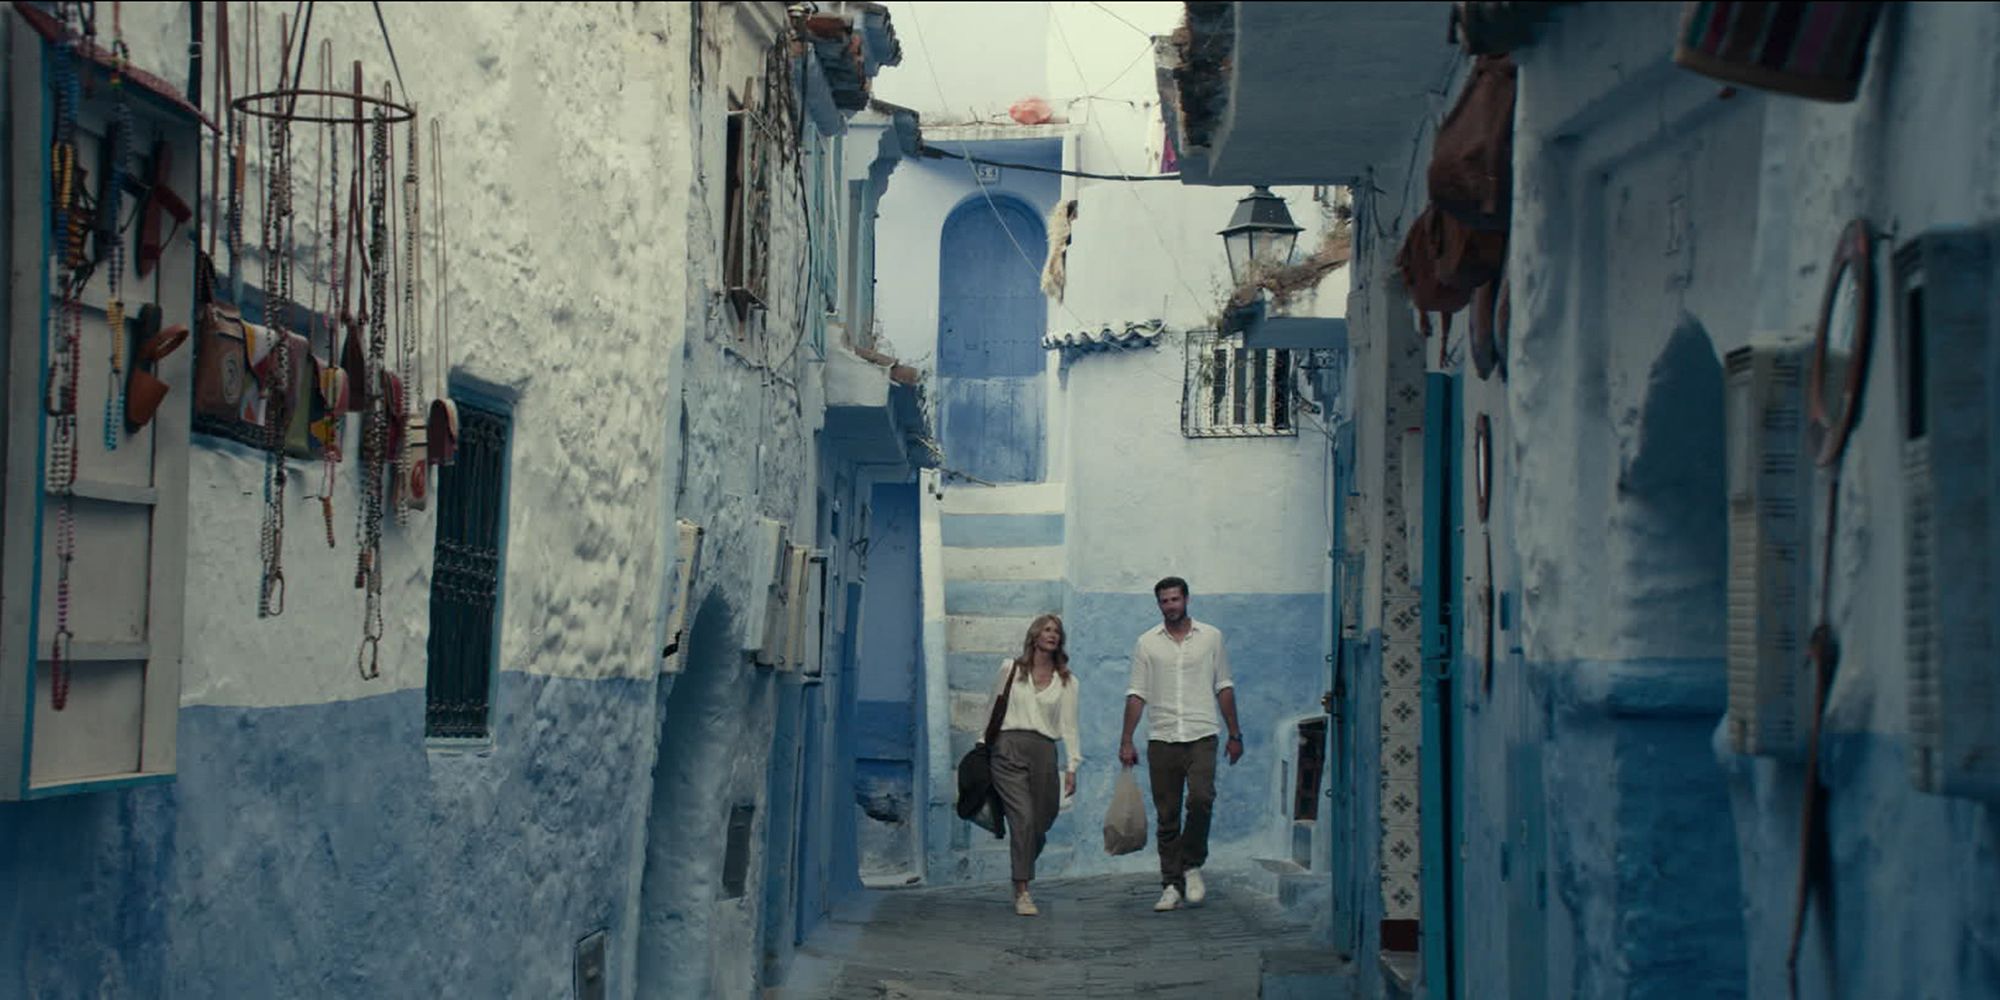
{"x": 892, "y": 613}
{"x": 991, "y": 317}
{"x": 888, "y": 682}
{"x": 322, "y": 851}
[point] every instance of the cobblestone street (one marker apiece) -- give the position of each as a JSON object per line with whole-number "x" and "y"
{"x": 1096, "y": 937}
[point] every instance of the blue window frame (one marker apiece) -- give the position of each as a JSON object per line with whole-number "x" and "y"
{"x": 466, "y": 574}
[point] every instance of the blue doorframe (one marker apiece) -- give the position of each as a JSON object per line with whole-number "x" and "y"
{"x": 812, "y": 714}
{"x": 813, "y": 894}
{"x": 1441, "y": 764}
{"x": 1343, "y": 867}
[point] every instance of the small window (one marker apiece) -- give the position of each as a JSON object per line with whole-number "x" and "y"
{"x": 1233, "y": 391}
{"x": 736, "y": 856}
{"x": 746, "y": 195}
{"x": 466, "y": 575}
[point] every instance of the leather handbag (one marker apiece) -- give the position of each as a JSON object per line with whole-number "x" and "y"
{"x": 298, "y": 389}
{"x": 1471, "y": 171}
{"x": 1443, "y": 260}
{"x": 221, "y": 367}
{"x": 978, "y": 799}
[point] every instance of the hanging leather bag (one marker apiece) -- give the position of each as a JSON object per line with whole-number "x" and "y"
{"x": 222, "y": 371}
{"x": 978, "y": 798}
{"x": 1472, "y": 159}
{"x": 1443, "y": 261}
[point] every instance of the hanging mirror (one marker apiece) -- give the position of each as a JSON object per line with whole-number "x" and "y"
{"x": 1842, "y": 341}
{"x": 1482, "y": 464}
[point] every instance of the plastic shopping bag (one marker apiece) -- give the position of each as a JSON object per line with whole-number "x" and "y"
{"x": 1125, "y": 823}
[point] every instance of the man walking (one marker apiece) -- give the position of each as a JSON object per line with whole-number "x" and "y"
{"x": 1181, "y": 670}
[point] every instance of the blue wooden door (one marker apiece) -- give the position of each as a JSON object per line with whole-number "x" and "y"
{"x": 991, "y": 318}
{"x": 1440, "y": 762}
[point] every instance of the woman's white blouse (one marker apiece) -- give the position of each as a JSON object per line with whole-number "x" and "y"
{"x": 1050, "y": 711}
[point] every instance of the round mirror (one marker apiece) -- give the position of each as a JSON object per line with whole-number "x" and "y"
{"x": 1842, "y": 341}
{"x": 1482, "y": 464}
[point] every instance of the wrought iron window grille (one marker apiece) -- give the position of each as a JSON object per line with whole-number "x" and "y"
{"x": 465, "y": 577}
{"x": 1235, "y": 392}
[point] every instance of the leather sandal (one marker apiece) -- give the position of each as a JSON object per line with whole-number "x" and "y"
{"x": 144, "y": 390}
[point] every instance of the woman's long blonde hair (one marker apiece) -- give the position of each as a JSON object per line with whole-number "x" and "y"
{"x": 1026, "y": 661}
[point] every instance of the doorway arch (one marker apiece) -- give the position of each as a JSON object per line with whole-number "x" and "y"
{"x": 691, "y": 815}
{"x": 991, "y": 318}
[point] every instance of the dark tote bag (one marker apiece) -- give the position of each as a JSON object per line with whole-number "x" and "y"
{"x": 978, "y": 799}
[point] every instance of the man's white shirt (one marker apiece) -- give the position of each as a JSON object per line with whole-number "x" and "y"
{"x": 1179, "y": 681}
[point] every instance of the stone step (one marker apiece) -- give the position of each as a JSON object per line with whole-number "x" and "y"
{"x": 994, "y": 634}
{"x": 1002, "y": 597}
{"x": 1297, "y": 889}
{"x": 988, "y": 861}
{"x": 1010, "y": 498}
{"x": 995, "y": 531}
{"x": 973, "y": 671}
{"x": 1305, "y": 974}
{"x": 1030, "y": 562}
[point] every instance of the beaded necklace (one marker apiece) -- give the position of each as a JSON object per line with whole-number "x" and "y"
{"x": 278, "y": 234}
{"x": 114, "y": 309}
{"x": 376, "y": 439}
{"x": 414, "y": 470}
{"x": 65, "y": 353}
{"x": 333, "y": 386}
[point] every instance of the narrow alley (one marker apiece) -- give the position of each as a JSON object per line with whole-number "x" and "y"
{"x": 1097, "y": 937}
{"x": 798, "y": 499}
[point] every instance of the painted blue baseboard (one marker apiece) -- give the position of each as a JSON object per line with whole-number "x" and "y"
{"x": 973, "y": 671}
{"x": 322, "y": 851}
{"x": 982, "y": 531}
{"x": 1022, "y": 598}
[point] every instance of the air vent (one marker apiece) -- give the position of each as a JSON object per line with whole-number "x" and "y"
{"x": 765, "y": 615}
{"x": 1946, "y": 346}
{"x": 1769, "y": 483}
{"x": 674, "y": 657}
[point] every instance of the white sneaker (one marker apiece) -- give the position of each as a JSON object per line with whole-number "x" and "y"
{"x": 1196, "y": 892}
{"x": 1024, "y": 905}
{"x": 1170, "y": 899}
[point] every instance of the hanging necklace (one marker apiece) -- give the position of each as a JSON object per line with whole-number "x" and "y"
{"x": 65, "y": 355}
{"x": 278, "y": 231}
{"x": 415, "y": 469}
{"x": 114, "y": 309}
{"x": 368, "y": 660}
{"x": 333, "y": 387}
{"x": 442, "y": 438}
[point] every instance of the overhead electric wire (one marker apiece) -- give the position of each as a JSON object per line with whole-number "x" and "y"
{"x": 934, "y": 152}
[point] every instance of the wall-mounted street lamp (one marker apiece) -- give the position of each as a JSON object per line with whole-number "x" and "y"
{"x": 1260, "y": 236}
{"x": 1260, "y": 232}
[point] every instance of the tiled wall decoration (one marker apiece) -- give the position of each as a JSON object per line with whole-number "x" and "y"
{"x": 1402, "y": 649}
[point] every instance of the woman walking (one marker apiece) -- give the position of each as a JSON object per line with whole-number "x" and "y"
{"x": 1040, "y": 709}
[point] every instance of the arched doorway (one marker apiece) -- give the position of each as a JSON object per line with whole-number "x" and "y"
{"x": 991, "y": 319}
{"x": 700, "y": 832}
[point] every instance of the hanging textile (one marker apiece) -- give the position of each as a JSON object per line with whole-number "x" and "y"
{"x": 1815, "y": 50}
